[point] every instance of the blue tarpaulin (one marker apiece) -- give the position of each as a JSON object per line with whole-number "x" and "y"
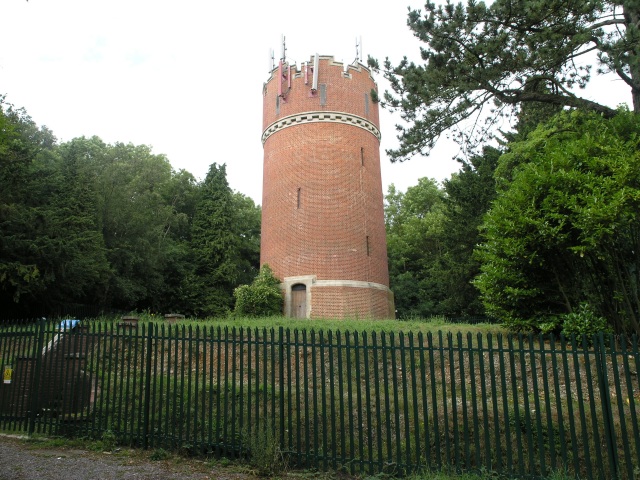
{"x": 68, "y": 324}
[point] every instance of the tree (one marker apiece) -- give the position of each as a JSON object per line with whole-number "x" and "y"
{"x": 247, "y": 228}
{"x": 143, "y": 211}
{"x": 469, "y": 194}
{"x": 414, "y": 231}
{"x": 432, "y": 233}
{"x": 504, "y": 55}
{"x": 52, "y": 249}
{"x": 176, "y": 291}
{"x": 114, "y": 226}
{"x": 72, "y": 253}
{"x": 19, "y": 275}
{"x": 563, "y": 229}
{"x": 216, "y": 246}
{"x": 135, "y": 208}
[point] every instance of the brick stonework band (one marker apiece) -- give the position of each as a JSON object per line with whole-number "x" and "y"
{"x": 350, "y": 283}
{"x": 314, "y": 117}
{"x": 340, "y": 298}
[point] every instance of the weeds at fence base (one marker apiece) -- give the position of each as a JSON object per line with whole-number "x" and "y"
{"x": 109, "y": 441}
{"x": 159, "y": 454}
{"x": 265, "y": 454}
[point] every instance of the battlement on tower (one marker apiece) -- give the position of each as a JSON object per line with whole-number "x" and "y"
{"x": 347, "y": 71}
{"x": 319, "y": 87}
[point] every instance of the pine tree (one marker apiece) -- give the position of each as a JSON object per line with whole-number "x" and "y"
{"x": 485, "y": 60}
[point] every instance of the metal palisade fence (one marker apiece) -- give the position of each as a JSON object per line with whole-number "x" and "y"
{"x": 362, "y": 402}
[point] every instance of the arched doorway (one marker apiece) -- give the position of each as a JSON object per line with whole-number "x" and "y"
{"x": 299, "y": 300}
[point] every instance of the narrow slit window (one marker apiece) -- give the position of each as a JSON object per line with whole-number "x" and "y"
{"x": 362, "y": 156}
{"x": 298, "y": 198}
{"x": 368, "y": 247}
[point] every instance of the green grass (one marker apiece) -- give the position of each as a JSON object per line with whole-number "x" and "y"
{"x": 433, "y": 324}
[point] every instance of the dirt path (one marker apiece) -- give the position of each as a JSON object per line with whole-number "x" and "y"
{"x": 26, "y": 460}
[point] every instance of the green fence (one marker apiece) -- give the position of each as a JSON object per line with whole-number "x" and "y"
{"x": 361, "y": 402}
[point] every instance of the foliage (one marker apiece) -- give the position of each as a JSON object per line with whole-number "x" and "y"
{"x": 414, "y": 229}
{"x": 262, "y": 298}
{"x": 469, "y": 194}
{"x": 503, "y": 54}
{"x": 52, "y": 249}
{"x": 266, "y": 455}
{"x": 109, "y": 441}
{"x": 563, "y": 229}
{"x": 113, "y": 226}
{"x": 431, "y": 235}
{"x": 584, "y": 321}
{"x": 215, "y": 246}
{"x": 160, "y": 454}
{"x": 247, "y": 227}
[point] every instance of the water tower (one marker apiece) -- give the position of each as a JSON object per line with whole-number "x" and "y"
{"x": 323, "y": 231}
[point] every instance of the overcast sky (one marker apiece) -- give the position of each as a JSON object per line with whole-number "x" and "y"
{"x": 186, "y": 77}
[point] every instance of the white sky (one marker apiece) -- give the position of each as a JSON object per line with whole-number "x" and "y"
{"x": 185, "y": 77}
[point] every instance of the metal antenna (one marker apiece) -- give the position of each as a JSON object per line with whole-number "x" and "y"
{"x": 316, "y": 63}
{"x": 358, "y": 49}
{"x": 284, "y": 49}
{"x": 272, "y": 60}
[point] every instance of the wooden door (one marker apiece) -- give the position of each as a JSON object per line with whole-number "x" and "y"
{"x": 299, "y": 301}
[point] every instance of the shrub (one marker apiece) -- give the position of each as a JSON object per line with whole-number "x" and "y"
{"x": 262, "y": 298}
{"x": 584, "y": 321}
{"x": 551, "y": 324}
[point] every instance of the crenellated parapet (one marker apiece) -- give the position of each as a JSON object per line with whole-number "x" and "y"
{"x": 320, "y": 85}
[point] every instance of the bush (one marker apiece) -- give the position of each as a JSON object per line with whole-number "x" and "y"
{"x": 584, "y": 321}
{"x": 551, "y": 324}
{"x": 262, "y": 298}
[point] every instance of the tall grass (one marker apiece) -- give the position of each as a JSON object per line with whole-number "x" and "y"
{"x": 415, "y": 325}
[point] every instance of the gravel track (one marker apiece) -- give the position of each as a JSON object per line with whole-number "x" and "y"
{"x": 26, "y": 460}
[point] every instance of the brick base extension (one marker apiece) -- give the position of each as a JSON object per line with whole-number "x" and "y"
{"x": 336, "y": 298}
{"x": 350, "y": 302}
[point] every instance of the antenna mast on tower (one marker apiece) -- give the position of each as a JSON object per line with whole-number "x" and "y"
{"x": 284, "y": 49}
{"x": 358, "y": 49}
{"x": 281, "y": 70}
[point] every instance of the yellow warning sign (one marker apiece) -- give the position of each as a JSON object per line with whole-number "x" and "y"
{"x": 8, "y": 372}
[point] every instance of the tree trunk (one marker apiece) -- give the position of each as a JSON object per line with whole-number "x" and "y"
{"x": 631, "y": 11}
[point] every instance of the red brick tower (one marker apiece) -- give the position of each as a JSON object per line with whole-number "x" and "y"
{"x": 323, "y": 231}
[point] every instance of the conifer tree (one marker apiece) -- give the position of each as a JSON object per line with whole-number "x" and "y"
{"x": 215, "y": 246}
{"x": 485, "y": 60}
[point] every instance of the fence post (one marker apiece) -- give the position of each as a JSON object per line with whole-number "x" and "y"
{"x": 147, "y": 387}
{"x": 33, "y": 403}
{"x": 607, "y": 416}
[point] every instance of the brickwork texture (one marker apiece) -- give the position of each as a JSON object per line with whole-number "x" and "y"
{"x": 322, "y": 204}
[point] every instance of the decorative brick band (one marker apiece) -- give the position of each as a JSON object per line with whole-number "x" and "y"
{"x": 315, "y": 117}
{"x": 349, "y": 283}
